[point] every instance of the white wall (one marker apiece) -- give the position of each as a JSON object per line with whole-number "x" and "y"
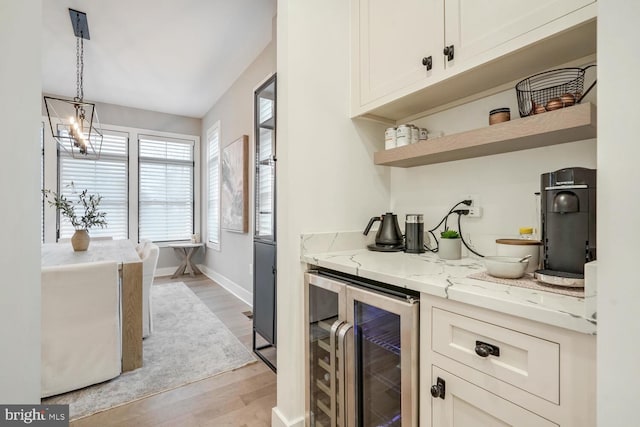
{"x": 326, "y": 177}
{"x": 20, "y": 86}
{"x": 504, "y": 183}
{"x": 618, "y": 207}
{"x": 231, "y": 266}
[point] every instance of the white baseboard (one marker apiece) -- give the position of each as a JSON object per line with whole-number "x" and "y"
{"x": 228, "y": 284}
{"x": 279, "y": 420}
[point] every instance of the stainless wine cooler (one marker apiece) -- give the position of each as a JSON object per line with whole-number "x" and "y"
{"x": 362, "y": 352}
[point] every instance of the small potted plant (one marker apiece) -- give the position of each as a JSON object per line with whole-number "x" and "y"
{"x": 450, "y": 246}
{"x": 86, "y": 203}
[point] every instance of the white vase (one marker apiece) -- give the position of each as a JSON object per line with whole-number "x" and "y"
{"x": 450, "y": 249}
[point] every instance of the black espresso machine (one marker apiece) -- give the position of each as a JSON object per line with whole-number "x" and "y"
{"x": 568, "y": 225}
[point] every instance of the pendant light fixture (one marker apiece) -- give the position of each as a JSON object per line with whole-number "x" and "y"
{"x": 74, "y": 123}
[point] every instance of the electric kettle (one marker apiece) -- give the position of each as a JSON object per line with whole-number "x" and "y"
{"x": 389, "y": 237}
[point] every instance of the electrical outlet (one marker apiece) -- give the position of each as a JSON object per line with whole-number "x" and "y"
{"x": 250, "y": 269}
{"x": 475, "y": 212}
{"x": 475, "y": 200}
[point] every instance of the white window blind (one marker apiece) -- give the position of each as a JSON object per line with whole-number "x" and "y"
{"x": 165, "y": 188}
{"x": 213, "y": 188}
{"x": 107, "y": 176}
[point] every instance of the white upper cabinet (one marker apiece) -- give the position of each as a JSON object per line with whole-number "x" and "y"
{"x": 476, "y": 27}
{"x": 494, "y": 42}
{"x": 399, "y": 45}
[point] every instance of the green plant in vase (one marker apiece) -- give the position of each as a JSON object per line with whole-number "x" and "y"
{"x": 449, "y": 234}
{"x": 449, "y": 246}
{"x": 87, "y": 204}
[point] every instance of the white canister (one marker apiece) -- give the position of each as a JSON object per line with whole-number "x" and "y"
{"x": 390, "y": 138}
{"x": 403, "y": 135}
{"x": 415, "y": 134}
{"x": 521, "y": 248}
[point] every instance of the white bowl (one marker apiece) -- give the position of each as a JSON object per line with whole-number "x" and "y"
{"x": 505, "y": 267}
{"x": 520, "y": 248}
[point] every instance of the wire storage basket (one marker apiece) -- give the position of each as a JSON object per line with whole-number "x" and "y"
{"x": 551, "y": 90}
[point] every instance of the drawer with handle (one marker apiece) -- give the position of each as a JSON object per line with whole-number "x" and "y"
{"x": 524, "y": 361}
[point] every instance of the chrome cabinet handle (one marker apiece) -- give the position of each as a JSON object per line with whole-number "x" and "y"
{"x": 342, "y": 395}
{"x": 333, "y": 342}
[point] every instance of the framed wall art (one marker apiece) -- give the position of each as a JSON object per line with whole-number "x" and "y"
{"x": 235, "y": 186}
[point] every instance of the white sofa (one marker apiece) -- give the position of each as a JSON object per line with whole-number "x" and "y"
{"x": 81, "y": 327}
{"x": 149, "y": 253}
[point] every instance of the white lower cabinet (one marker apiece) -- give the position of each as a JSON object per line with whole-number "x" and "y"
{"x": 464, "y": 404}
{"x": 480, "y": 368}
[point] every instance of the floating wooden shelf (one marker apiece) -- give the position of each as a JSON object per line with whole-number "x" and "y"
{"x": 569, "y": 124}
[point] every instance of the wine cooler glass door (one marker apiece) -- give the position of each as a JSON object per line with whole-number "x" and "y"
{"x": 383, "y": 377}
{"x": 326, "y": 313}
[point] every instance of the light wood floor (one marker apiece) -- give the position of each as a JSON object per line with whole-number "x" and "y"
{"x": 239, "y": 398}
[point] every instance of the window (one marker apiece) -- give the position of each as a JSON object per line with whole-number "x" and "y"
{"x": 41, "y": 182}
{"x": 107, "y": 176}
{"x": 213, "y": 185}
{"x": 166, "y": 196}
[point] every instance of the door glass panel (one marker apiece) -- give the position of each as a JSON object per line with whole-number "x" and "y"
{"x": 378, "y": 380}
{"x": 265, "y": 161}
{"x": 323, "y": 314}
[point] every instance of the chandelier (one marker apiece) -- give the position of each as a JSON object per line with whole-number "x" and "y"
{"x": 74, "y": 123}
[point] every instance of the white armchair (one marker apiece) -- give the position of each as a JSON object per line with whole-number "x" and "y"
{"x": 81, "y": 328}
{"x": 149, "y": 254}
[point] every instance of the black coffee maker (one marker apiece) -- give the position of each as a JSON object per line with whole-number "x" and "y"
{"x": 568, "y": 225}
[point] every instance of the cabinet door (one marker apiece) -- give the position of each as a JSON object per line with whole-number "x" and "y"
{"x": 325, "y": 314}
{"x": 264, "y": 291}
{"x": 382, "y": 360}
{"x": 464, "y": 404}
{"x": 476, "y": 27}
{"x": 391, "y": 39}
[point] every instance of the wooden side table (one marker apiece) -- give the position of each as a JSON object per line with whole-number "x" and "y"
{"x": 186, "y": 251}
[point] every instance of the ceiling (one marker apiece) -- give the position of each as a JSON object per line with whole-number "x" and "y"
{"x": 171, "y": 56}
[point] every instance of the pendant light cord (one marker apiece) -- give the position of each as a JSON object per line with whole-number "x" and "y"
{"x": 79, "y": 63}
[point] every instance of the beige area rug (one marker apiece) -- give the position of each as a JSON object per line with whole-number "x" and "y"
{"x": 188, "y": 343}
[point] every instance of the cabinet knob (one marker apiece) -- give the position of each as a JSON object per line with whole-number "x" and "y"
{"x": 427, "y": 61}
{"x": 438, "y": 389}
{"x": 448, "y": 51}
{"x": 485, "y": 350}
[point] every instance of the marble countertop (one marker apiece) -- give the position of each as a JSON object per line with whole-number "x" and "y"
{"x": 428, "y": 274}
